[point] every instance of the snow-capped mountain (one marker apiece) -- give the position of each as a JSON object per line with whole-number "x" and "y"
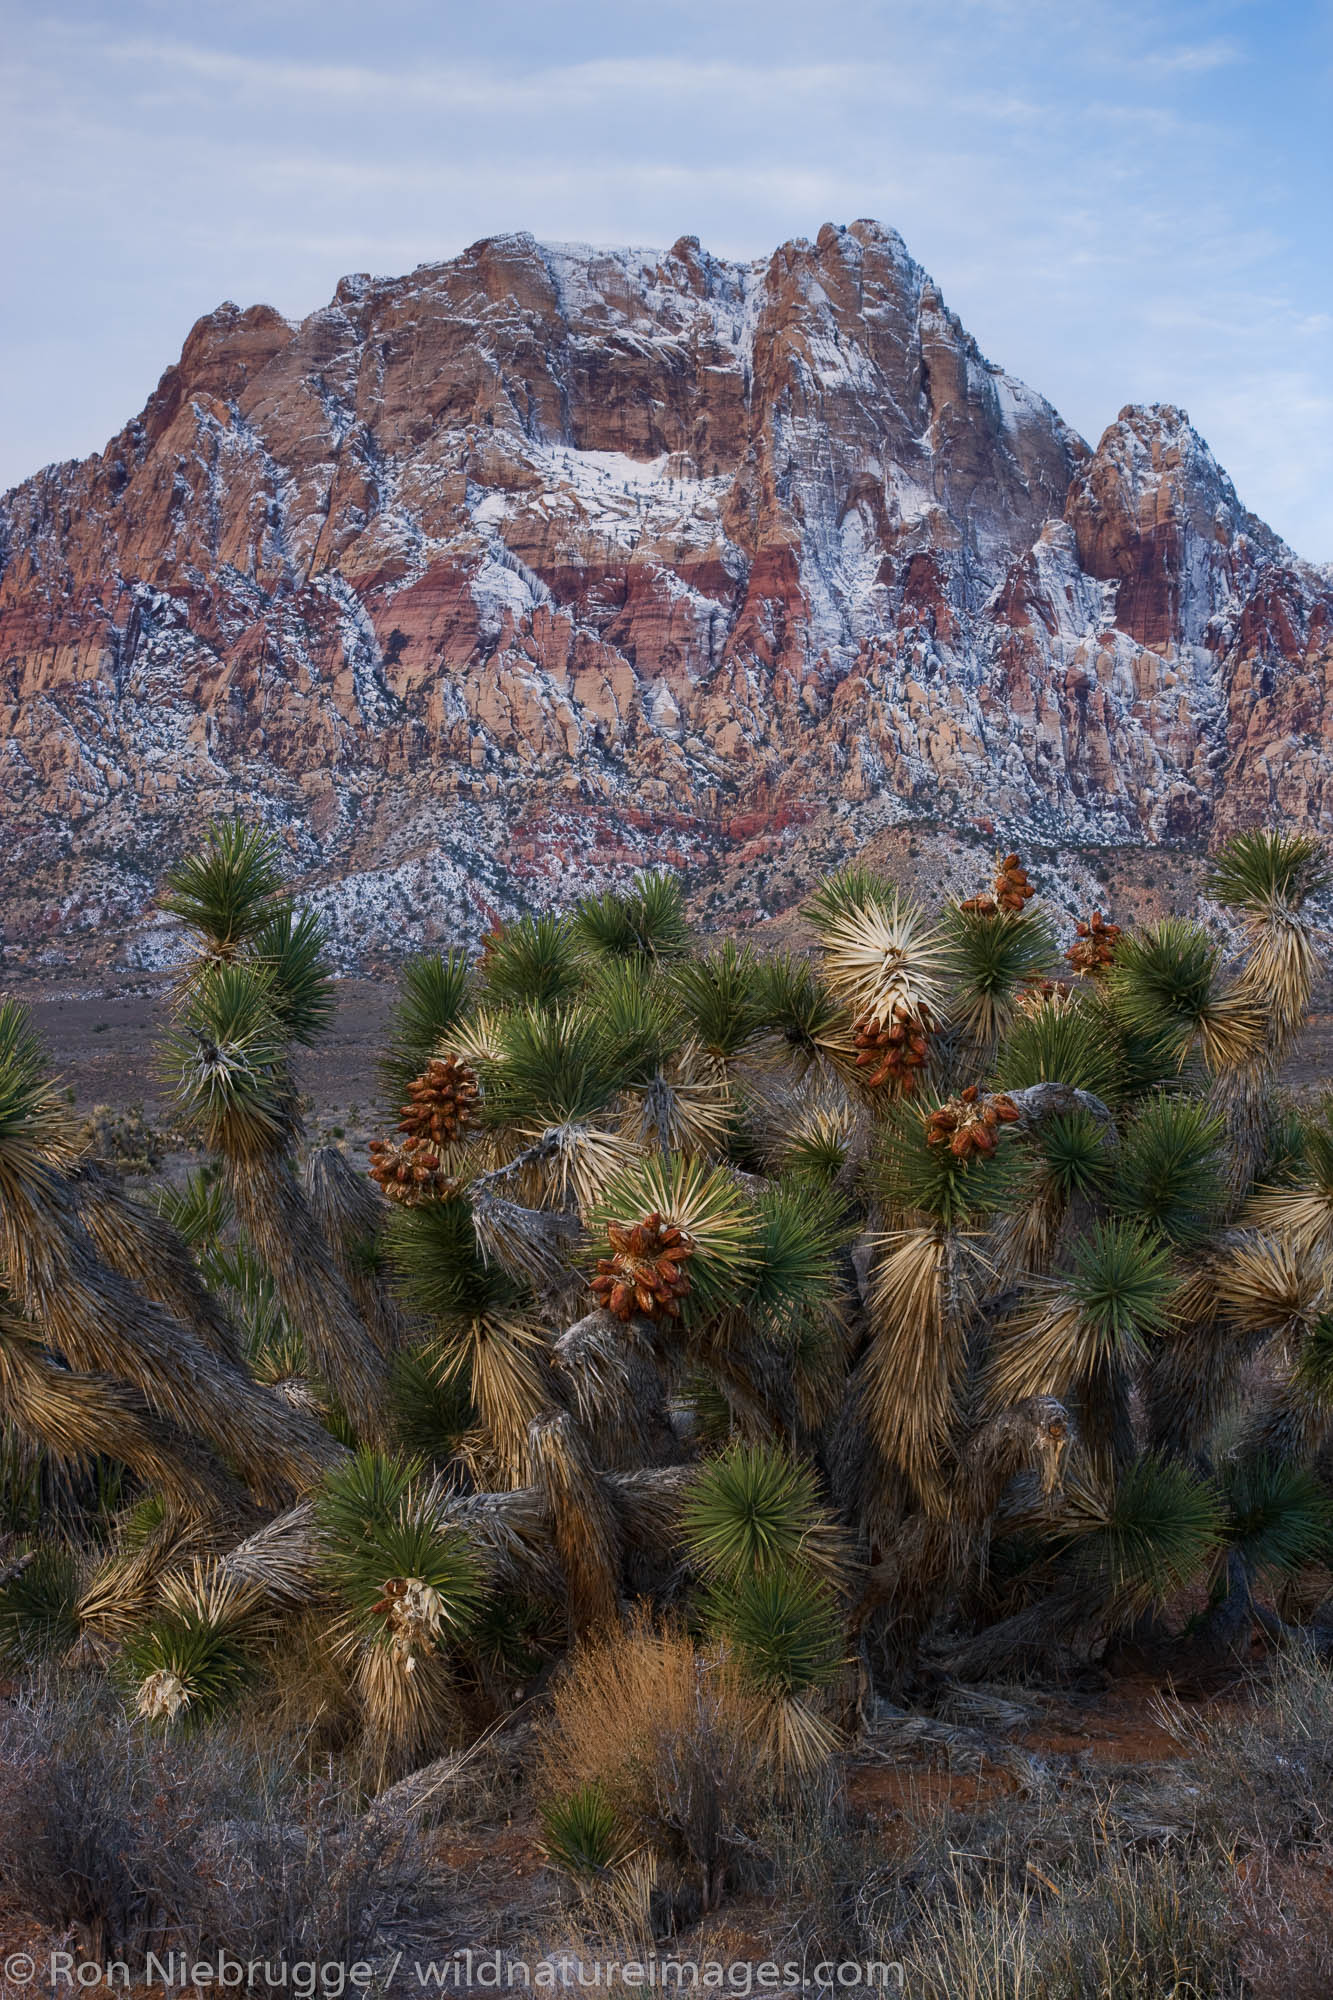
{"x": 545, "y": 562}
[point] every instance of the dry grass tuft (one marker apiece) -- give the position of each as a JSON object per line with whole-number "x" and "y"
{"x": 675, "y": 1739}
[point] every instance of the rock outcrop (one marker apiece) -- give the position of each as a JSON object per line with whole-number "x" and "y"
{"x": 545, "y": 562}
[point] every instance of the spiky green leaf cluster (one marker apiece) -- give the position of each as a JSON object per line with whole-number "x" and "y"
{"x": 199, "y": 1209}
{"x": 1169, "y": 1171}
{"x": 645, "y": 921}
{"x": 703, "y": 1201}
{"x": 433, "y": 995}
{"x": 1068, "y": 1041}
{"x": 1276, "y": 1514}
{"x": 440, "y": 1268}
{"x": 1076, "y": 1154}
{"x": 561, "y": 1065}
{"x": 993, "y": 960}
{"x": 1313, "y": 1373}
{"x": 782, "y": 1626}
{"x": 31, "y": 1118}
{"x": 721, "y": 998}
{"x": 227, "y": 1056}
{"x": 1257, "y": 870}
{"x": 225, "y": 890}
{"x": 39, "y": 1607}
{"x": 798, "y": 1007}
{"x": 751, "y": 1510}
{"x": 195, "y": 1655}
{"x": 1160, "y": 1534}
{"x": 912, "y": 1178}
{"x": 532, "y": 962}
{"x": 581, "y": 1834}
{"x": 802, "y": 1237}
{"x": 851, "y": 889}
{"x": 431, "y": 1415}
{"x": 379, "y": 1528}
{"x": 1122, "y": 1282}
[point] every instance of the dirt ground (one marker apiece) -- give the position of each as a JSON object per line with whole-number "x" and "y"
{"x": 106, "y": 1046}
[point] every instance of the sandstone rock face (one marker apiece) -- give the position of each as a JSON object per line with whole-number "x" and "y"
{"x": 533, "y": 566}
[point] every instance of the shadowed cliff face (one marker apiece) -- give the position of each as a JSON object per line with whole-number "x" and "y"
{"x": 544, "y": 562}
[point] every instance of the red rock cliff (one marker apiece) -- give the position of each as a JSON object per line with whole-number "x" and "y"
{"x": 546, "y": 560}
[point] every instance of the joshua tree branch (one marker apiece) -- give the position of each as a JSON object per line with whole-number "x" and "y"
{"x": 1040, "y": 1101}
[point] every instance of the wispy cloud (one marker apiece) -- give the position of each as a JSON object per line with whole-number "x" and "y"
{"x": 1192, "y": 61}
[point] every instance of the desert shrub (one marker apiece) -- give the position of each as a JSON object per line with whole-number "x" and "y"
{"x": 128, "y": 1841}
{"x": 38, "y": 1616}
{"x": 312, "y": 1877}
{"x": 816, "y": 1859}
{"x": 670, "y": 1736}
{"x": 1053, "y": 1895}
{"x": 123, "y": 1139}
{"x": 1265, "y": 1774}
{"x": 1137, "y": 1927}
{"x": 97, "y": 1832}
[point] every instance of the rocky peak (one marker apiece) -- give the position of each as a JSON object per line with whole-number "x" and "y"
{"x": 1154, "y": 513}
{"x": 546, "y": 560}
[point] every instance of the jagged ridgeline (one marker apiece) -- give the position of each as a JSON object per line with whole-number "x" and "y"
{"x": 946, "y": 1295}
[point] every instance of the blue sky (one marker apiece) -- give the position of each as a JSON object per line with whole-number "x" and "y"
{"x": 1124, "y": 202}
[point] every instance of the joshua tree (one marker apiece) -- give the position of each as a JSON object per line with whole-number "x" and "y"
{"x": 93, "y": 1316}
{"x": 255, "y": 990}
{"x": 883, "y": 1305}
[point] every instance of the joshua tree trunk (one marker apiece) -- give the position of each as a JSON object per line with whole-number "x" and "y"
{"x": 615, "y": 1385}
{"x": 351, "y": 1216}
{"x": 103, "y": 1325}
{"x": 1188, "y": 1384}
{"x": 1289, "y": 1422}
{"x": 276, "y": 1217}
{"x": 1019, "y": 1640}
{"x": 1225, "y": 1627}
{"x": 905, "y": 1591}
{"x": 1105, "y": 1424}
{"x": 583, "y": 1521}
{"x": 145, "y": 1248}
{"x": 78, "y": 1417}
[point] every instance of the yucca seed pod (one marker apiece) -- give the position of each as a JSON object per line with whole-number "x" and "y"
{"x": 646, "y": 1273}
{"x": 1012, "y": 887}
{"x": 407, "y": 1171}
{"x": 413, "y": 1612}
{"x": 1094, "y": 945}
{"x": 161, "y": 1696}
{"x": 970, "y": 1123}
{"x": 893, "y": 1050}
{"x": 443, "y": 1101}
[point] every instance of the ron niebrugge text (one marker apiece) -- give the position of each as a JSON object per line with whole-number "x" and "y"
{"x": 325, "y": 1979}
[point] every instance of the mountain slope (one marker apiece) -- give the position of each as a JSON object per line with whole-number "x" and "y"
{"x": 546, "y": 561}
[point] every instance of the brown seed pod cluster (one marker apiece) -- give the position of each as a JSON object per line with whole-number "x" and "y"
{"x": 646, "y": 1274}
{"x": 443, "y": 1101}
{"x": 971, "y": 1123}
{"x": 1012, "y": 888}
{"x": 1011, "y": 891}
{"x": 1094, "y": 945}
{"x": 892, "y": 1050}
{"x": 407, "y": 1171}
